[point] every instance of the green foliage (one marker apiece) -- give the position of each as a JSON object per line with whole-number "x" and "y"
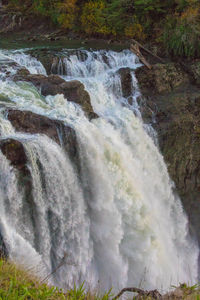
{"x": 77, "y": 293}
{"x": 119, "y": 15}
{"x": 17, "y": 284}
{"x": 93, "y": 17}
{"x": 174, "y": 23}
{"x": 181, "y": 34}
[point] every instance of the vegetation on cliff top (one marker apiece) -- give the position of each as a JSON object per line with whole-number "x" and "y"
{"x": 175, "y": 24}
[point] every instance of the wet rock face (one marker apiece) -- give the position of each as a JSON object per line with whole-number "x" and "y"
{"x": 3, "y": 248}
{"x": 161, "y": 78}
{"x": 14, "y": 152}
{"x": 178, "y": 127}
{"x": 175, "y": 102}
{"x": 52, "y": 60}
{"x": 52, "y": 85}
{"x": 126, "y": 82}
{"x": 29, "y": 122}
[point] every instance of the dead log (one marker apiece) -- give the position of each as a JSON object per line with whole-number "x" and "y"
{"x": 141, "y": 293}
{"x": 136, "y": 50}
{"x": 147, "y": 50}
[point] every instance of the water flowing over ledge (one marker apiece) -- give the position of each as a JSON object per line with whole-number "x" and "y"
{"x": 112, "y": 210}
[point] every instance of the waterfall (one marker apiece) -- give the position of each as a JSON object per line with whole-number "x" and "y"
{"x": 115, "y": 217}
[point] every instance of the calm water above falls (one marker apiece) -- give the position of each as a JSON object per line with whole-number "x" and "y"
{"x": 116, "y": 220}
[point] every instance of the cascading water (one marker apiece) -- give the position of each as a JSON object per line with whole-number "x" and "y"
{"x": 116, "y": 221}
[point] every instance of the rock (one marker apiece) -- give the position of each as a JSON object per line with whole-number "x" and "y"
{"x": 52, "y": 62}
{"x": 175, "y": 103}
{"x": 178, "y": 127}
{"x": 161, "y": 78}
{"x": 3, "y": 248}
{"x": 195, "y": 72}
{"x": 48, "y": 59}
{"x": 181, "y": 292}
{"x": 29, "y": 122}
{"x": 14, "y": 152}
{"x": 126, "y": 82}
{"x": 6, "y": 67}
{"x": 53, "y": 67}
{"x": 26, "y": 121}
{"x": 22, "y": 72}
{"x": 53, "y": 84}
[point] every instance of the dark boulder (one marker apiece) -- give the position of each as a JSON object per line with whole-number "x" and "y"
{"x": 53, "y": 84}
{"x": 29, "y": 122}
{"x": 126, "y": 82}
{"x": 3, "y": 247}
{"x": 14, "y": 152}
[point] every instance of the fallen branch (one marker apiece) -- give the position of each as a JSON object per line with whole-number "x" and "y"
{"x": 148, "y": 51}
{"x": 136, "y": 50}
{"x": 154, "y": 294}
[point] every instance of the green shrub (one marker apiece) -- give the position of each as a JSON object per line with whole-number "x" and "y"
{"x": 181, "y": 34}
{"x": 15, "y": 283}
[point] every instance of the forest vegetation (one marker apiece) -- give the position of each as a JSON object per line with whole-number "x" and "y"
{"x": 174, "y": 24}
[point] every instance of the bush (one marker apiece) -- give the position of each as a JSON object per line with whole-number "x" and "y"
{"x": 181, "y": 34}
{"x": 93, "y": 18}
{"x": 67, "y": 13}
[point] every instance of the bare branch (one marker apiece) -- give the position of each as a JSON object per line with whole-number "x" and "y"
{"x": 136, "y": 50}
{"x": 148, "y": 51}
{"x": 154, "y": 294}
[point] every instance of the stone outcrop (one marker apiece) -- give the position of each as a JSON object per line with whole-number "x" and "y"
{"x": 14, "y": 152}
{"x": 4, "y": 253}
{"x": 175, "y": 100}
{"x": 53, "y": 84}
{"x": 126, "y": 82}
{"x": 29, "y": 122}
{"x": 161, "y": 78}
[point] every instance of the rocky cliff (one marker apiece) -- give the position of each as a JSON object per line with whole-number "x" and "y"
{"x": 172, "y": 93}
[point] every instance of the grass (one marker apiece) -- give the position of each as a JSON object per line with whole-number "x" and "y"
{"x": 18, "y": 284}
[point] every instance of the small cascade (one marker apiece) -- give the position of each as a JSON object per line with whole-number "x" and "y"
{"x": 111, "y": 215}
{"x": 23, "y": 60}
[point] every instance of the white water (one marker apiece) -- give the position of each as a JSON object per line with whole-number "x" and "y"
{"x": 117, "y": 221}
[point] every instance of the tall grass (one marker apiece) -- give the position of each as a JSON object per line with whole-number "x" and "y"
{"x": 18, "y": 284}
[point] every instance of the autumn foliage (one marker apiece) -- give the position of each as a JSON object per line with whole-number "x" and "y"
{"x": 175, "y": 23}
